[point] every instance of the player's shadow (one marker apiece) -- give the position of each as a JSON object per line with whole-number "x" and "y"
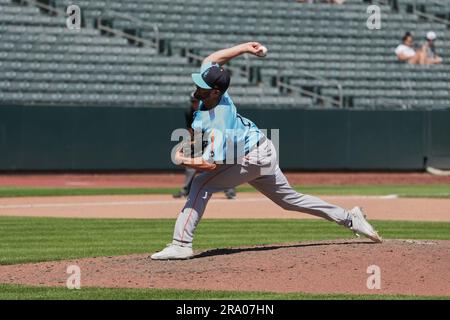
{"x": 227, "y": 251}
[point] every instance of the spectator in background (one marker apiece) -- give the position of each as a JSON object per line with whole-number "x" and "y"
{"x": 430, "y": 49}
{"x": 406, "y": 52}
{"x": 189, "y": 173}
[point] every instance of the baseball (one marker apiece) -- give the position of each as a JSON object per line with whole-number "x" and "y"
{"x": 262, "y": 51}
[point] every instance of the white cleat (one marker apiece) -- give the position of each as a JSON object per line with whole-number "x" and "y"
{"x": 173, "y": 252}
{"x": 360, "y": 226}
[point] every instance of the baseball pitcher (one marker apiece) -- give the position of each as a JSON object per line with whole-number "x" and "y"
{"x": 257, "y": 164}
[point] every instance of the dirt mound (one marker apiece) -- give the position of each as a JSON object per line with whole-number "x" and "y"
{"x": 406, "y": 266}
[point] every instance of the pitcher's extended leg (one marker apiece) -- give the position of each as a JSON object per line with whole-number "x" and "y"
{"x": 277, "y": 188}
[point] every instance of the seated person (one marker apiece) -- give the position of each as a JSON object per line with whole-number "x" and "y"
{"x": 430, "y": 49}
{"x": 406, "y": 53}
{"x": 424, "y": 55}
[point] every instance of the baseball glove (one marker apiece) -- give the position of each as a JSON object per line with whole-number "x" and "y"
{"x": 193, "y": 149}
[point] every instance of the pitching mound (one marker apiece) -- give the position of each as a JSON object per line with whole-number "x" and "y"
{"x": 406, "y": 266}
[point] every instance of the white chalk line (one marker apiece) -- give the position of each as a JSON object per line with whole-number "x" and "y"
{"x": 159, "y": 202}
{"x": 112, "y": 203}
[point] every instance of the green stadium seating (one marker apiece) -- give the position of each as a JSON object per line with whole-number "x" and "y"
{"x": 41, "y": 62}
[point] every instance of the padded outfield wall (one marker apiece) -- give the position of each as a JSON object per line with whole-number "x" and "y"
{"x": 85, "y": 138}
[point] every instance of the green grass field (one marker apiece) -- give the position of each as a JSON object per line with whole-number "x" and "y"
{"x": 8, "y": 292}
{"x": 24, "y": 239}
{"x": 427, "y": 191}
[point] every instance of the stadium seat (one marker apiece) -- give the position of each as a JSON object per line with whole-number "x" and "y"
{"x": 312, "y": 46}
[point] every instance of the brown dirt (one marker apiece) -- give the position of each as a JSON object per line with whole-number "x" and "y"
{"x": 407, "y": 267}
{"x": 245, "y": 206}
{"x": 167, "y": 180}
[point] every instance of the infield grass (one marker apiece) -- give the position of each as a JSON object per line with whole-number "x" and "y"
{"x": 29, "y": 239}
{"x": 419, "y": 191}
{"x": 8, "y": 292}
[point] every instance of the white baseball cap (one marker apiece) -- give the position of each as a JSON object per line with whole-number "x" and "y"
{"x": 431, "y": 35}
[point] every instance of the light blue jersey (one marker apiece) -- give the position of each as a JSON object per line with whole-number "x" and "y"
{"x": 229, "y": 134}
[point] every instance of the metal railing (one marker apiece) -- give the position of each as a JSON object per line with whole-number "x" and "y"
{"x": 419, "y": 13}
{"x": 340, "y": 103}
{"x": 138, "y": 23}
{"x": 41, "y": 5}
{"x": 156, "y": 41}
{"x": 432, "y": 17}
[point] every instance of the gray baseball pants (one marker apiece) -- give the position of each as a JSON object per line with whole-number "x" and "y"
{"x": 260, "y": 169}
{"x": 189, "y": 175}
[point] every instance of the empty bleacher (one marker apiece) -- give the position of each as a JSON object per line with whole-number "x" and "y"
{"x": 312, "y": 46}
{"x": 439, "y": 8}
{"x": 44, "y": 63}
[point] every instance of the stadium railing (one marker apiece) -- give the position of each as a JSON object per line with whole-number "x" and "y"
{"x": 155, "y": 43}
{"x": 282, "y": 84}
